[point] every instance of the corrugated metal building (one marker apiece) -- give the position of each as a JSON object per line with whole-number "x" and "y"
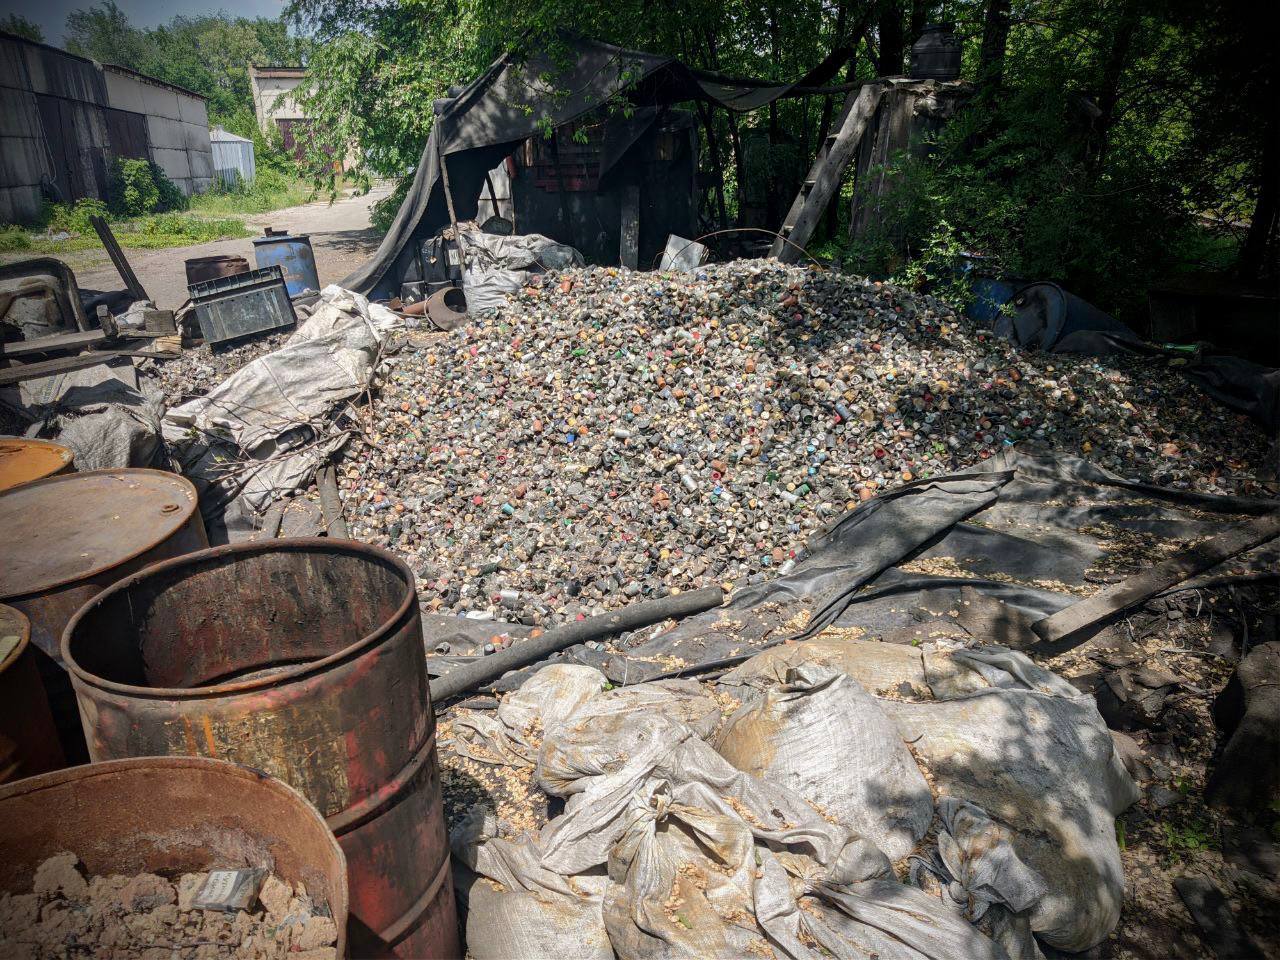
{"x": 233, "y": 159}
{"x": 63, "y": 119}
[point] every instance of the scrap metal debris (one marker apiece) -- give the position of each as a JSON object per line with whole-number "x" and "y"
{"x": 608, "y": 434}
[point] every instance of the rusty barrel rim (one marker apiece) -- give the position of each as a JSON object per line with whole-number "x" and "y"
{"x": 179, "y": 519}
{"x": 15, "y": 616}
{"x": 393, "y": 623}
{"x": 48, "y": 459}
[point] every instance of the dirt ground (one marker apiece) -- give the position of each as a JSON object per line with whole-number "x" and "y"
{"x": 340, "y": 236}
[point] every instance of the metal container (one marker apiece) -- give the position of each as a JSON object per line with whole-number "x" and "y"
{"x": 294, "y": 255}
{"x": 28, "y": 741}
{"x": 247, "y": 303}
{"x": 936, "y": 55}
{"x": 68, "y": 537}
{"x": 170, "y": 815}
{"x": 203, "y": 269}
{"x": 22, "y": 461}
{"x": 303, "y": 658}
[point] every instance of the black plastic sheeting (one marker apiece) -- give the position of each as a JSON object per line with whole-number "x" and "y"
{"x": 1036, "y": 532}
{"x": 516, "y": 98}
{"x": 1043, "y": 316}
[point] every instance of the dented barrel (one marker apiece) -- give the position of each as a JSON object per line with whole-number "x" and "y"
{"x": 65, "y": 538}
{"x": 302, "y": 658}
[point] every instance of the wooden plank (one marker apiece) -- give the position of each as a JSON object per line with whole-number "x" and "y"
{"x": 118, "y": 258}
{"x": 47, "y": 368}
{"x": 824, "y": 149}
{"x": 629, "y": 244}
{"x": 52, "y": 344}
{"x": 1127, "y": 594}
{"x": 827, "y": 177}
{"x": 331, "y": 502}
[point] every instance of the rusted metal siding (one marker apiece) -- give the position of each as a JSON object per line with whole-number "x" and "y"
{"x": 303, "y": 658}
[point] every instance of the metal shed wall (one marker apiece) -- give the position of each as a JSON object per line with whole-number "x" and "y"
{"x": 51, "y": 127}
{"x": 233, "y": 160}
{"x": 177, "y": 126}
{"x": 64, "y": 118}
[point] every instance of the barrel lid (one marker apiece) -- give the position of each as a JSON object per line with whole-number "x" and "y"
{"x": 280, "y": 238}
{"x": 23, "y": 460}
{"x": 68, "y": 528}
{"x": 15, "y": 629}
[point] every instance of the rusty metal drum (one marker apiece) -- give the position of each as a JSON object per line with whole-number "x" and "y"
{"x": 170, "y": 815}
{"x": 303, "y": 658}
{"x": 23, "y": 460}
{"x": 67, "y": 537}
{"x": 28, "y": 740}
{"x": 62, "y": 540}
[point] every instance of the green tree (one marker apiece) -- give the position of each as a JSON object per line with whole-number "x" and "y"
{"x": 102, "y": 32}
{"x": 19, "y": 25}
{"x": 209, "y": 54}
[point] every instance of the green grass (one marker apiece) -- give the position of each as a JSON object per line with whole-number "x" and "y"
{"x": 212, "y": 216}
{"x": 153, "y": 232}
{"x": 271, "y": 190}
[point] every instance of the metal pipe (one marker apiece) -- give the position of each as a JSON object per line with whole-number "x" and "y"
{"x": 472, "y": 676}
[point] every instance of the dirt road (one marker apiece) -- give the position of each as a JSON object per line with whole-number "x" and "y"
{"x": 340, "y": 236}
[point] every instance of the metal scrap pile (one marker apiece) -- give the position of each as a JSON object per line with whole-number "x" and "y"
{"x": 612, "y": 434}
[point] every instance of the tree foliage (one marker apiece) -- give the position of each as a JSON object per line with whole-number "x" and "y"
{"x": 209, "y": 54}
{"x": 1108, "y": 143}
{"x": 20, "y": 26}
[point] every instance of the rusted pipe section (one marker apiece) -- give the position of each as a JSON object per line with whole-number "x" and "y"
{"x": 302, "y": 658}
{"x": 331, "y": 502}
{"x": 472, "y": 676}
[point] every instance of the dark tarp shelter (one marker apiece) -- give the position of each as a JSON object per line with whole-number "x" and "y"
{"x": 515, "y": 98}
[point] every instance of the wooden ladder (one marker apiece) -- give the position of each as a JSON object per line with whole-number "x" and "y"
{"x": 823, "y": 179}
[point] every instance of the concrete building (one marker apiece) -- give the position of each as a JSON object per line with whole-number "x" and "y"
{"x": 275, "y": 105}
{"x": 64, "y": 119}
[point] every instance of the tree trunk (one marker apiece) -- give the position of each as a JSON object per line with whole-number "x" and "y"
{"x": 772, "y": 213}
{"x": 1109, "y": 87}
{"x": 892, "y": 43}
{"x": 995, "y": 36}
{"x": 828, "y": 102}
{"x": 1265, "y": 225}
{"x": 713, "y": 145}
{"x": 921, "y": 11}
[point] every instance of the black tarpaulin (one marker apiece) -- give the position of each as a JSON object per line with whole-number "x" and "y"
{"x": 516, "y": 98}
{"x": 1034, "y": 531}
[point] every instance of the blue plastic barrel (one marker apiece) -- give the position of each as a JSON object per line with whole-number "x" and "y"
{"x": 295, "y": 258}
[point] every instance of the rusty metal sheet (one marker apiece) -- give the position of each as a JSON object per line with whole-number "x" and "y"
{"x": 22, "y": 461}
{"x": 303, "y": 658}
